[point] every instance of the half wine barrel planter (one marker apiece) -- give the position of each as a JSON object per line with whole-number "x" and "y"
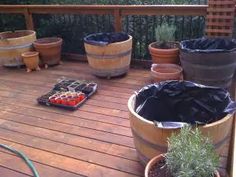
{"x": 49, "y": 50}
{"x": 151, "y": 141}
{"x": 213, "y": 67}
{"x": 160, "y": 55}
{"x": 13, "y": 44}
{"x": 109, "y": 60}
{"x": 163, "y": 72}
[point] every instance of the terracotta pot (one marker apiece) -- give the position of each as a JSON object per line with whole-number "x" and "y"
{"x": 152, "y": 162}
{"x": 31, "y": 60}
{"x": 49, "y": 50}
{"x": 160, "y": 157}
{"x": 163, "y": 72}
{"x": 164, "y": 55}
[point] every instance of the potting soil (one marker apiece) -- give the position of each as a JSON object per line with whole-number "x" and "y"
{"x": 105, "y": 38}
{"x": 183, "y": 101}
{"x": 208, "y": 45}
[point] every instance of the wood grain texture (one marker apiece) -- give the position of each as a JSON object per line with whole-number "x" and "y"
{"x": 220, "y": 13}
{"x": 94, "y": 141}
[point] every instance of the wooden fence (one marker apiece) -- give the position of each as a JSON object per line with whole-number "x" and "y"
{"x": 118, "y": 11}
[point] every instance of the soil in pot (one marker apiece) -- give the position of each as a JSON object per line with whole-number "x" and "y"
{"x": 159, "y": 169}
{"x": 168, "y": 45}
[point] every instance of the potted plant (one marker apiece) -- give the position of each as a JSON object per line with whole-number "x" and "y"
{"x": 165, "y": 50}
{"x": 189, "y": 154}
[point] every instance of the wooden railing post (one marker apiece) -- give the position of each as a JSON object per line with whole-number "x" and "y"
{"x": 28, "y": 19}
{"x": 118, "y": 20}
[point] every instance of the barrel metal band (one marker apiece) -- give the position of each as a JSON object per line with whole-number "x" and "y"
{"x": 110, "y": 71}
{"x": 152, "y": 145}
{"x": 164, "y": 149}
{"x": 123, "y": 54}
{"x": 16, "y": 47}
{"x": 207, "y": 67}
{"x": 221, "y": 142}
{"x": 142, "y": 157}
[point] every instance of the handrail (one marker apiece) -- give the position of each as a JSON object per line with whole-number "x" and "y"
{"x": 117, "y": 10}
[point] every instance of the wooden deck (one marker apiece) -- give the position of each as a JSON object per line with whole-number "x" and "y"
{"x": 94, "y": 141}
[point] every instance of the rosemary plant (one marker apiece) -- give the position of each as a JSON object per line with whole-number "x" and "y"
{"x": 190, "y": 154}
{"x": 165, "y": 33}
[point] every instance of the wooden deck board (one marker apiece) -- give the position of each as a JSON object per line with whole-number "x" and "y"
{"x": 95, "y": 141}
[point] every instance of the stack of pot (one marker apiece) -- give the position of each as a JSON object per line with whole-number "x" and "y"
{"x": 165, "y": 55}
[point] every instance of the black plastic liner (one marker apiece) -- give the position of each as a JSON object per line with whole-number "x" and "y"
{"x": 208, "y": 45}
{"x": 102, "y": 39}
{"x": 183, "y": 101}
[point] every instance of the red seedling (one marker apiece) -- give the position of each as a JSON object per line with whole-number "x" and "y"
{"x": 58, "y": 101}
{"x": 82, "y": 97}
{"x": 72, "y": 103}
{"x": 63, "y": 101}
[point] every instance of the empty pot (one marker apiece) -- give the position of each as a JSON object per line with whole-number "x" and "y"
{"x": 31, "y": 60}
{"x": 49, "y": 50}
{"x": 163, "y": 72}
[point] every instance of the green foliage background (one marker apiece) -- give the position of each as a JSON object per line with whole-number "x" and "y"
{"x": 73, "y": 28}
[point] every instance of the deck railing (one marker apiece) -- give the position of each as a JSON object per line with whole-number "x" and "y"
{"x": 73, "y": 22}
{"x": 118, "y": 11}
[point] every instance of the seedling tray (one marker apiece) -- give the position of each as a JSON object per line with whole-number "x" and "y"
{"x": 66, "y": 92}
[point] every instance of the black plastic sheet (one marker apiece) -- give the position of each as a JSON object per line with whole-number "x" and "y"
{"x": 102, "y": 39}
{"x": 183, "y": 101}
{"x": 208, "y": 45}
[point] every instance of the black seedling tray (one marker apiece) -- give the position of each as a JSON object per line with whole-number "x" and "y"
{"x": 69, "y": 86}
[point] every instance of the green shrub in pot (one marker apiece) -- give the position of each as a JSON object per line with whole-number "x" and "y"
{"x": 164, "y": 34}
{"x": 164, "y": 49}
{"x": 189, "y": 154}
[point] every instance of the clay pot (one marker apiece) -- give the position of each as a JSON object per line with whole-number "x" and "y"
{"x": 49, "y": 50}
{"x": 161, "y": 157}
{"x": 31, "y": 60}
{"x": 163, "y": 72}
{"x": 164, "y": 55}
